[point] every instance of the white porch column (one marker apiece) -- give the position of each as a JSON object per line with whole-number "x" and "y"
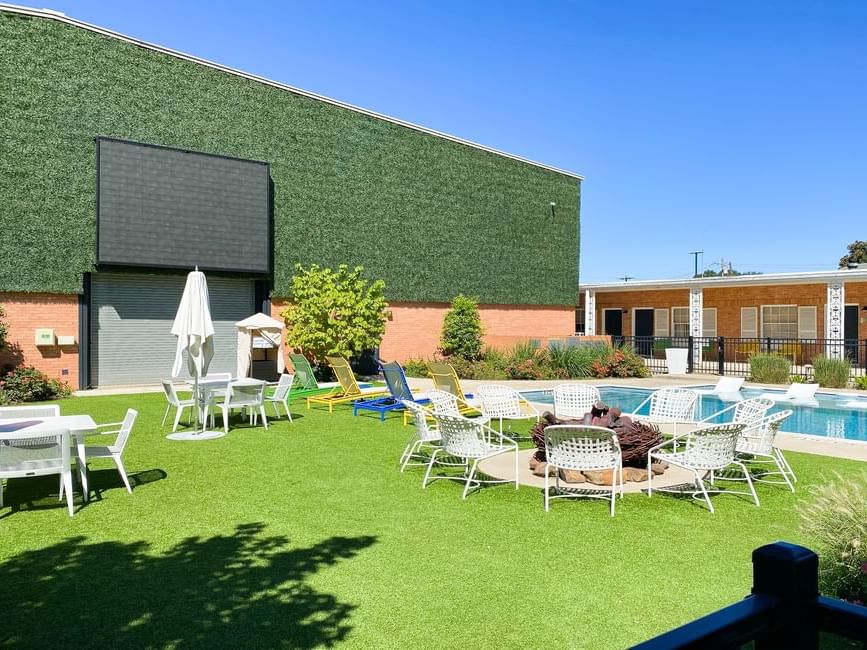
{"x": 834, "y": 347}
{"x": 696, "y": 320}
{"x": 589, "y": 313}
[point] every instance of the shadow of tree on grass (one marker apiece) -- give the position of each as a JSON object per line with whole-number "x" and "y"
{"x": 246, "y": 589}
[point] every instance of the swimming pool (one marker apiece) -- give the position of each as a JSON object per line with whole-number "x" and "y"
{"x": 832, "y": 416}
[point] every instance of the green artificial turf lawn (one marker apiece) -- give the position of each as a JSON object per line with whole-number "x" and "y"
{"x": 307, "y": 535}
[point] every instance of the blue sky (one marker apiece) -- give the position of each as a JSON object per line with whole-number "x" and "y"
{"x": 736, "y": 128}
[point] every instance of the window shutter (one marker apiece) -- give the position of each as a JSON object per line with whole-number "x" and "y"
{"x": 660, "y": 322}
{"x": 749, "y": 322}
{"x": 708, "y": 327}
{"x": 807, "y": 327}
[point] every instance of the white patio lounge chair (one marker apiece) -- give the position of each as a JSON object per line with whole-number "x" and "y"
{"x": 574, "y": 400}
{"x": 281, "y": 394}
{"x": 704, "y": 452}
{"x": 469, "y": 440}
{"x": 173, "y": 400}
{"x": 803, "y": 394}
{"x": 756, "y": 445}
{"x": 37, "y": 453}
{"x": 504, "y": 403}
{"x": 727, "y": 389}
{"x": 582, "y": 448}
{"x": 115, "y": 450}
{"x": 747, "y": 412}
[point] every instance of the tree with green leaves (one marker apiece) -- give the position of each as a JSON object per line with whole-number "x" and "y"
{"x": 334, "y": 313}
{"x": 857, "y": 254}
{"x": 4, "y": 330}
{"x": 462, "y": 330}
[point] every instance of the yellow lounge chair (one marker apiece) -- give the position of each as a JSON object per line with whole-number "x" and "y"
{"x": 446, "y": 379}
{"x": 348, "y": 391}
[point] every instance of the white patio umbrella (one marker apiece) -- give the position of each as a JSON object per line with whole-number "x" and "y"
{"x": 195, "y": 331}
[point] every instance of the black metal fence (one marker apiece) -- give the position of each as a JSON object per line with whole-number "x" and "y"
{"x": 784, "y": 610}
{"x": 723, "y": 355}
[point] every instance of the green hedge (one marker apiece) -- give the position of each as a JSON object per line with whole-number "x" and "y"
{"x": 429, "y": 216}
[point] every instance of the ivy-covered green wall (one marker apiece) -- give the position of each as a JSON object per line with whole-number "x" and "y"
{"x": 429, "y": 216}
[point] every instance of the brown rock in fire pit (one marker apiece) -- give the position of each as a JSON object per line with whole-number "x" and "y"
{"x": 658, "y": 468}
{"x": 601, "y": 477}
{"x": 634, "y": 474}
{"x": 572, "y": 476}
{"x": 541, "y": 468}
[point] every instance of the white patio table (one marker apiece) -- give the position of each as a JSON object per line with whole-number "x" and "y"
{"x": 79, "y": 426}
{"x": 209, "y": 387}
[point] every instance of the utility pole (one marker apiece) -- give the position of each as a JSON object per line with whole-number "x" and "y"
{"x": 695, "y": 255}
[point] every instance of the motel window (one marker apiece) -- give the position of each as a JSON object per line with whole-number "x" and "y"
{"x": 708, "y": 325}
{"x": 580, "y": 320}
{"x": 749, "y": 322}
{"x": 680, "y": 321}
{"x": 660, "y": 322}
{"x": 780, "y": 321}
{"x": 807, "y": 328}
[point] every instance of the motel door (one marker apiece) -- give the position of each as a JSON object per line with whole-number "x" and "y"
{"x": 643, "y": 331}
{"x": 614, "y": 324}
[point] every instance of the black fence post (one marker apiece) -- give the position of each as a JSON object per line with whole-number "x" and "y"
{"x": 789, "y": 573}
{"x": 768, "y": 345}
{"x": 690, "y": 353}
{"x": 721, "y": 355}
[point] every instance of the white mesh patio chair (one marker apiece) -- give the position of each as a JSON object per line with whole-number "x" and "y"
{"x": 37, "y": 453}
{"x": 669, "y": 406}
{"x": 574, "y": 400}
{"x": 281, "y": 394}
{"x": 748, "y": 411}
{"x": 582, "y": 448}
{"x": 471, "y": 441}
{"x": 445, "y": 403}
{"x": 756, "y": 445}
{"x": 424, "y": 434}
{"x": 122, "y": 431}
{"x": 173, "y": 400}
{"x": 703, "y": 451}
{"x": 249, "y": 397}
{"x": 504, "y": 403}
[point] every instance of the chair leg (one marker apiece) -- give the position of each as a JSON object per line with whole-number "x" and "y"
{"x": 411, "y": 449}
{"x": 700, "y": 482}
{"x": 1, "y": 492}
{"x": 783, "y": 472}
{"x": 613, "y": 489}
{"x": 548, "y": 489}
{"x": 166, "y": 414}
{"x": 517, "y": 485}
{"x": 226, "y": 420}
{"x": 122, "y": 471}
{"x": 177, "y": 418}
{"x": 779, "y": 454}
{"x": 749, "y": 482}
{"x": 264, "y": 417}
{"x": 470, "y": 478}
{"x": 649, "y": 475}
{"x": 286, "y": 406}
{"x": 67, "y": 483}
{"x": 433, "y": 457}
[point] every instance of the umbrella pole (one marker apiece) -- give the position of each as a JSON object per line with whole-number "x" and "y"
{"x": 198, "y": 400}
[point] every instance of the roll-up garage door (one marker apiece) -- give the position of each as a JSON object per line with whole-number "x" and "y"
{"x": 131, "y": 322}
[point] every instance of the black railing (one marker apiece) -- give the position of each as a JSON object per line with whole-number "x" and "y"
{"x": 722, "y": 355}
{"x": 784, "y": 610}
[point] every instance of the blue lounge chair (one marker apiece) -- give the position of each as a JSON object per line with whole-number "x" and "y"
{"x": 398, "y": 389}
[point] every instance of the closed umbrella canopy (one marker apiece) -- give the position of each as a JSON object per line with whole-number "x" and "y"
{"x": 194, "y": 328}
{"x": 258, "y": 325}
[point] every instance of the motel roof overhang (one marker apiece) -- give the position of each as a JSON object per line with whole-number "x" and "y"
{"x": 809, "y": 277}
{"x": 61, "y": 17}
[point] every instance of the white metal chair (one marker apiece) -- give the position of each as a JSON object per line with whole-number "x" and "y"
{"x": 748, "y": 411}
{"x": 574, "y": 400}
{"x": 756, "y": 444}
{"x": 247, "y": 396}
{"x": 669, "y": 406}
{"x": 37, "y": 453}
{"x": 469, "y": 440}
{"x": 705, "y": 451}
{"x": 173, "y": 400}
{"x": 582, "y": 448}
{"x": 281, "y": 394}
{"x": 424, "y": 435}
{"x": 504, "y": 403}
{"x": 115, "y": 450}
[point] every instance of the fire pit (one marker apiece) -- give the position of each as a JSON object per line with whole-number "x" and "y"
{"x": 635, "y": 438}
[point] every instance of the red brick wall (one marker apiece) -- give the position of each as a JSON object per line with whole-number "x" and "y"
{"x": 25, "y": 312}
{"x": 414, "y": 328}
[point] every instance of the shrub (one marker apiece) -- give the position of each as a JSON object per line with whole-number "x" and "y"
{"x": 770, "y": 368}
{"x": 831, "y": 373}
{"x": 620, "y": 362}
{"x": 836, "y": 518}
{"x": 27, "y": 384}
{"x": 861, "y": 383}
{"x": 462, "y": 330}
{"x": 334, "y": 312}
{"x": 4, "y": 330}
{"x": 416, "y": 368}
{"x": 576, "y": 362}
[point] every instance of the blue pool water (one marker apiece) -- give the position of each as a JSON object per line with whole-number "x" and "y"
{"x": 829, "y": 417}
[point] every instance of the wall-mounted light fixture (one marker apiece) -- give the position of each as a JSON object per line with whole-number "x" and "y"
{"x": 553, "y": 205}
